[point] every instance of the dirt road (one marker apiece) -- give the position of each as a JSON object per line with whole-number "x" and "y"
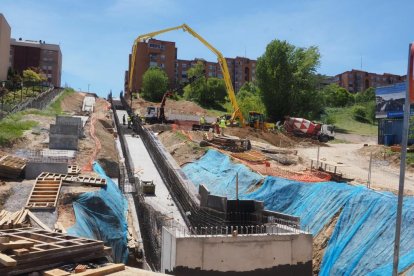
{"x": 384, "y": 176}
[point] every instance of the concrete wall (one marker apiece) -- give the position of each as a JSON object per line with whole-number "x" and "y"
{"x": 282, "y": 254}
{"x": 63, "y": 142}
{"x": 5, "y": 31}
{"x": 70, "y": 121}
{"x": 33, "y": 169}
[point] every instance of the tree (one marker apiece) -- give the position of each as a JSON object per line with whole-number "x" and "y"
{"x": 32, "y": 76}
{"x": 249, "y": 99}
{"x": 335, "y": 96}
{"x": 366, "y": 96}
{"x": 154, "y": 84}
{"x": 283, "y": 73}
{"x": 206, "y": 92}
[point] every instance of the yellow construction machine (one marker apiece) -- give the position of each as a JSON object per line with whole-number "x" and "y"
{"x": 237, "y": 114}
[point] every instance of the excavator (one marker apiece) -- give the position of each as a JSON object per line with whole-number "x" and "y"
{"x": 156, "y": 115}
{"x": 237, "y": 115}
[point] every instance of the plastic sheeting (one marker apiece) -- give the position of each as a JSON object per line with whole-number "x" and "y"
{"x": 101, "y": 215}
{"x": 363, "y": 237}
{"x": 315, "y": 204}
{"x": 218, "y": 174}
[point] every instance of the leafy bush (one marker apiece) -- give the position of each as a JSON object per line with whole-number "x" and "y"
{"x": 359, "y": 113}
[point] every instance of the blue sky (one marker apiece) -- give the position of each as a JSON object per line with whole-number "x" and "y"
{"x": 96, "y": 35}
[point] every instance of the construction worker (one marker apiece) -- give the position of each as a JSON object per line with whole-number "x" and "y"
{"x": 216, "y": 125}
{"x": 123, "y": 119}
{"x": 222, "y": 125}
{"x": 202, "y": 121}
{"x": 129, "y": 121}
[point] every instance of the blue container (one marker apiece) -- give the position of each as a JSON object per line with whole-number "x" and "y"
{"x": 388, "y": 139}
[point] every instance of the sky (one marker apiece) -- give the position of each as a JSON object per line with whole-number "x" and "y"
{"x": 96, "y": 36}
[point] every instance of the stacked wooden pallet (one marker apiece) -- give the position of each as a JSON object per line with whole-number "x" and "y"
{"x": 44, "y": 194}
{"x": 40, "y": 249}
{"x": 73, "y": 170}
{"x": 9, "y": 220}
{"x": 71, "y": 179}
{"x": 11, "y": 166}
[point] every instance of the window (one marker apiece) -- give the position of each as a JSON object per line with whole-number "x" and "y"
{"x": 153, "y": 57}
{"x": 162, "y": 65}
{"x": 162, "y": 57}
{"x": 184, "y": 65}
{"x": 49, "y": 75}
{"x": 155, "y": 46}
{"x": 210, "y": 74}
{"x": 49, "y": 67}
{"x": 153, "y": 64}
{"x": 184, "y": 76}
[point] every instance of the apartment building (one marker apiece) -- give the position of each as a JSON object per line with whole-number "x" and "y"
{"x": 163, "y": 54}
{"x": 241, "y": 70}
{"x": 33, "y": 53}
{"x": 357, "y": 80}
{"x": 5, "y": 32}
{"x": 154, "y": 53}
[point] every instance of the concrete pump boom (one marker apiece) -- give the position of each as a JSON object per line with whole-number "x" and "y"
{"x": 237, "y": 114}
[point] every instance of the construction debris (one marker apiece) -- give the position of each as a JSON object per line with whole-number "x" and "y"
{"x": 73, "y": 170}
{"x": 81, "y": 270}
{"x": 31, "y": 249}
{"x": 44, "y": 194}
{"x": 11, "y": 166}
{"x": 71, "y": 179}
{"x": 251, "y": 156}
{"x": 10, "y": 220}
{"x": 227, "y": 143}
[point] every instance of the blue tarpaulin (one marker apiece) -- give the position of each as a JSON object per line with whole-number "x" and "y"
{"x": 101, "y": 215}
{"x": 363, "y": 237}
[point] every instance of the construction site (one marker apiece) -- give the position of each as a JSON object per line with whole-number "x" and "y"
{"x": 121, "y": 185}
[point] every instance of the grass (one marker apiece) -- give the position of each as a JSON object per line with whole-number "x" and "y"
{"x": 13, "y": 126}
{"x": 345, "y": 123}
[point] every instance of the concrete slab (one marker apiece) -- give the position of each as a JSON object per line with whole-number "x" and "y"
{"x": 146, "y": 170}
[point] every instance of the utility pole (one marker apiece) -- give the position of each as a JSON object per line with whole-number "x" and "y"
{"x": 410, "y": 72}
{"x": 88, "y": 87}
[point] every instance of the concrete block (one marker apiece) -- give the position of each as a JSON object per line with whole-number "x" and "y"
{"x": 70, "y": 121}
{"x": 218, "y": 203}
{"x": 64, "y": 129}
{"x": 63, "y": 142}
{"x": 33, "y": 169}
{"x": 203, "y": 192}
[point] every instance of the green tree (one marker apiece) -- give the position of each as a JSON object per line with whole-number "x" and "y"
{"x": 335, "y": 96}
{"x": 284, "y": 72}
{"x": 249, "y": 99}
{"x": 154, "y": 84}
{"x": 366, "y": 96}
{"x": 32, "y": 76}
{"x": 196, "y": 90}
{"x": 207, "y": 92}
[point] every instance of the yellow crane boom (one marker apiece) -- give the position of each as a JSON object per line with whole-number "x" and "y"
{"x": 237, "y": 114}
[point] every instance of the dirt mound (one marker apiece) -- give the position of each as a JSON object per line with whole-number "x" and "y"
{"x": 73, "y": 103}
{"x": 180, "y": 147}
{"x": 172, "y": 106}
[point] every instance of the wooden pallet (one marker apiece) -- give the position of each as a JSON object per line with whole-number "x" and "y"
{"x": 71, "y": 179}
{"x": 73, "y": 170}
{"x": 45, "y": 194}
{"x": 11, "y": 166}
{"x": 45, "y": 249}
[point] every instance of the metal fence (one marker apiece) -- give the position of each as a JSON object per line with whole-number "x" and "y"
{"x": 40, "y": 101}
